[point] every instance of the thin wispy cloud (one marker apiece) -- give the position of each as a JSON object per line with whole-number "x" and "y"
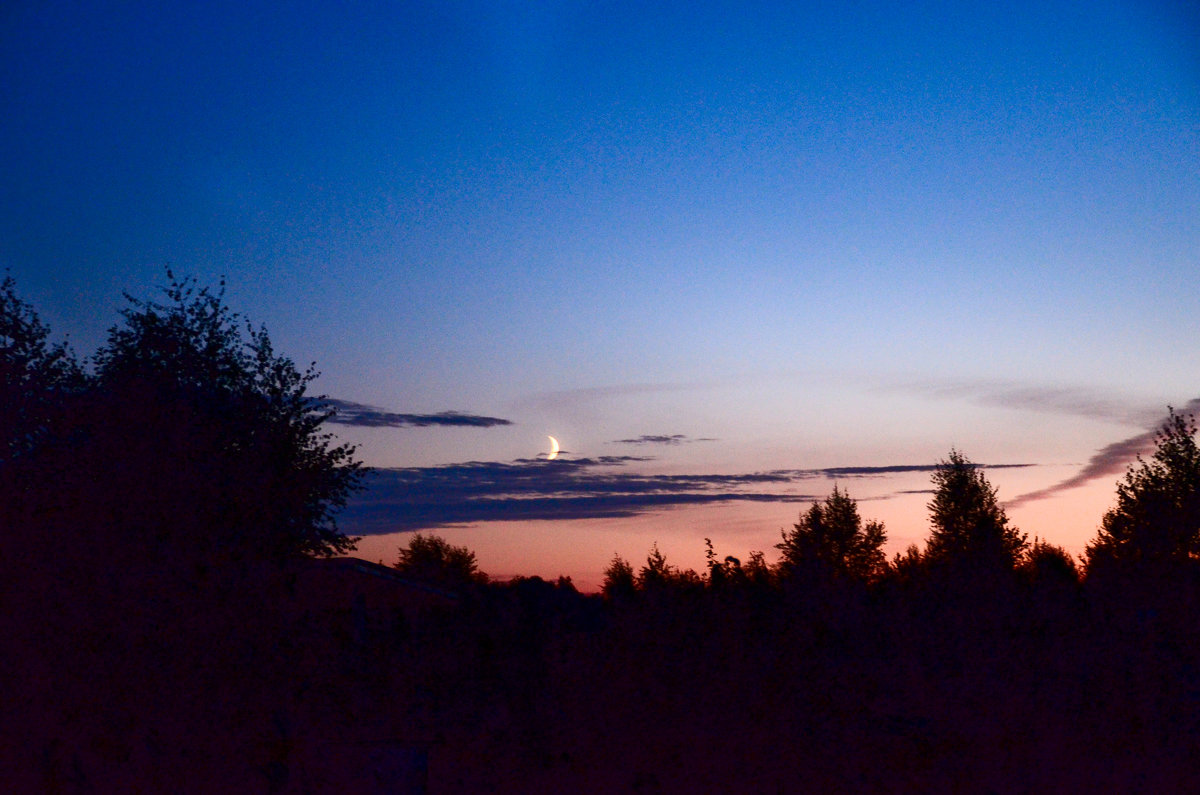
{"x": 898, "y": 469}
{"x": 363, "y": 416}
{"x": 672, "y": 439}
{"x": 414, "y": 498}
{"x": 1109, "y": 461}
{"x": 1073, "y": 401}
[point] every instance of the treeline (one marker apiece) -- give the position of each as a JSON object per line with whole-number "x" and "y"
{"x": 984, "y": 662}
{"x": 158, "y": 500}
{"x": 1151, "y": 533}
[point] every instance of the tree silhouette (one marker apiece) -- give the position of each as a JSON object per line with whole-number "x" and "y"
{"x": 969, "y": 525}
{"x": 433, "y": 559}
{"x": 35, "y": 375}
{"x": 757, "y": 571}
{"x": 1048, "y": 563}
{"x": 193, "y": 438}
{"x": 722, "y": 573}
{"x": 831, "y": 536}
{"x": 138, "y": 504}
{"x": 907, "y": 566}
{"x": 619, "y": 579}
{"x": 1157, "y": 515}
{"x": 657, "y": 572}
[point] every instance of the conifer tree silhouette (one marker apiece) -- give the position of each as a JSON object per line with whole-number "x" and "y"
{"x": 969, "y": 524}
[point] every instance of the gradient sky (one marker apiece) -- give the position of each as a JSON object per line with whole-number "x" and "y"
{"x": 797, "y": 242}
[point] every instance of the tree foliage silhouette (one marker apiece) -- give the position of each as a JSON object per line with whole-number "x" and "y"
{"x": 35, "y": 375}
{"x": 620, "y": 582}
{"x": 1046, "y": 563}
{"x": 1157, "y": 515}
{"x": 722, "y": 573}
{"x": 969, "y": 525}
{"x": 193, "y": 437}
{"x": 433, "y": 559}
{"x": 831, "y": 537}
{"x": 260, "y": 469}
{"x": 657, "y": 571}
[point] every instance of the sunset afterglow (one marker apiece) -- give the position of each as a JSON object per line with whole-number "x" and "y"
{"x": 734, "y": 254}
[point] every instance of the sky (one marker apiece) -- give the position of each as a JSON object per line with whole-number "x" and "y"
{"x": 728, "y": 254}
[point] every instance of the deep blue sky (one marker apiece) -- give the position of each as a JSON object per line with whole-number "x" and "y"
{"x": 817, "y": 235}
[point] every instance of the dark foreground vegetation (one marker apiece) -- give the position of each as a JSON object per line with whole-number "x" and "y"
{"x": 174, "y": 618}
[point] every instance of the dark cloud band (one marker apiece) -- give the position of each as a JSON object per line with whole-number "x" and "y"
{"x": 675, "y": 438}
{"x": 363, "y": 416}
{"x": 414, "y": 498}
{"x": 669, "y": 439}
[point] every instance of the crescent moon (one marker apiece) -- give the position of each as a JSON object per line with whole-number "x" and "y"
{"x": 553, "y": 448}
